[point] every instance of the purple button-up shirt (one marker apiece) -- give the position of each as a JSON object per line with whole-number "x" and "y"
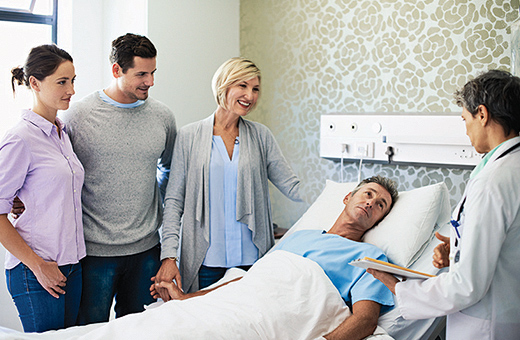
{"x": 42, "y": 170}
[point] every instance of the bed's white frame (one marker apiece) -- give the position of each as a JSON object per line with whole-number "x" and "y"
{"x": 439, "y": 332}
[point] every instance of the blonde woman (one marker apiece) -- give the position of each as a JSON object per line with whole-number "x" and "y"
{"x": 219, "y": 186}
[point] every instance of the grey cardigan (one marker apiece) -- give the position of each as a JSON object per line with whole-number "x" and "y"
{"x": 187, "y": 195}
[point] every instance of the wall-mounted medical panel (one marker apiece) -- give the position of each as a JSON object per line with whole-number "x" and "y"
{"x": 419, "y": 139}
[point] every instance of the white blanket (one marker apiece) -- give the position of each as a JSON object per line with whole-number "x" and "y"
{"x": 283, "y": 296}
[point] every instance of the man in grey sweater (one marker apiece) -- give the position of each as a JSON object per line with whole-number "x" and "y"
{"x": 122, "y": 138}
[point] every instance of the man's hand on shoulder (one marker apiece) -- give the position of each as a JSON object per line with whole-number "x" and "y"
{"x": 18, "y": 208}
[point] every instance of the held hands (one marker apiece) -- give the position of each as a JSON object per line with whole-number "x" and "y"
{"x": 173, "y": 292}
{"x": 166, "y": 274}
{"x": 441, "y": 252}
{"x": 50, "y": 277}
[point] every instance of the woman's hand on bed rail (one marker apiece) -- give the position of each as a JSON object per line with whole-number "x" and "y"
{"x": 441, "y": 253}
{"x": 387, "y": 279}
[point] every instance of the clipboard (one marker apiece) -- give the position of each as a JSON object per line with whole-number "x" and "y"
{"x": 383, "y": 266}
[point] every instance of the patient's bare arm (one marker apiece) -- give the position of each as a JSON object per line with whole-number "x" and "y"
{"x": 360, "y": 324}
{"x": 177, "y": 294}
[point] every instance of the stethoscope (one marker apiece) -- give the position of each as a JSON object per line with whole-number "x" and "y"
{"x": 456, "y": 223}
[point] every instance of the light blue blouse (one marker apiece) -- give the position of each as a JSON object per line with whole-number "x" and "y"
{"x": 230, "y": 241}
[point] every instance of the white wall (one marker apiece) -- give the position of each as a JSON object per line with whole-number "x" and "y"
{"x": 8, "y": 313}
{"x": 87, "y": 30}
{"x": 120, "y": 17}
{"x": 192, "y": 38}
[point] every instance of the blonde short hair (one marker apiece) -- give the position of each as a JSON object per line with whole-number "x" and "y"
{"x": 231, "y": 72}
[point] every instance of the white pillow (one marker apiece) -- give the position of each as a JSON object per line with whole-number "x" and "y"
{"x": 402, "y": 235}
{"x": 326, "y": 208}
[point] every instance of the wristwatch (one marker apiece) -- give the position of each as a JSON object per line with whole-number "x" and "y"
{"x": 174, "y": 258}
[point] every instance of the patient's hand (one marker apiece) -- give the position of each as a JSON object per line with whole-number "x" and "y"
{"x": 387, "y": 279}
{"x": 441, "y": 253}
{"x": 174, "y": 292}
{"x": 168, "y": 272}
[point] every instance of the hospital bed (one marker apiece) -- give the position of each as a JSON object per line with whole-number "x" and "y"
{"x": 406, "y": 236}
{"x": 287, "y": 296}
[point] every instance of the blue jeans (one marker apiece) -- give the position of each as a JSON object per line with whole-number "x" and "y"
{"x": 39, "y": 311}
{"x": 127, "y": 278}
{"x": 210, "y": 275}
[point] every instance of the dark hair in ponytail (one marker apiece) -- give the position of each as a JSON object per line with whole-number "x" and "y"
{"x": 42, "y": 61}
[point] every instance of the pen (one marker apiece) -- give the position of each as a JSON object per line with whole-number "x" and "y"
{"x": 456, "y": 225}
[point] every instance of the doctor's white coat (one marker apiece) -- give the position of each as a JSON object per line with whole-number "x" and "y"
{"x": 481, "y": 292}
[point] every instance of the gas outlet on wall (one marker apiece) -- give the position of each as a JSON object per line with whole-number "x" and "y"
{"x": 437, "y": 139}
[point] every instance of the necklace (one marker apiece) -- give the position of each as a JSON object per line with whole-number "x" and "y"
{"x": 233, "y": 136}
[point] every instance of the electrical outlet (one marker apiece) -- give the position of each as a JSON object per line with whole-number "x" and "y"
{"x": 364, "y": 150}
{"x": 361, "y": 150}
{"x": 464, "y": 153}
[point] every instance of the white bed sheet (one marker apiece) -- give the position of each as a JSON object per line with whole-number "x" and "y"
{"x": 206, "y": 318}
{"x": 283, "y": 296}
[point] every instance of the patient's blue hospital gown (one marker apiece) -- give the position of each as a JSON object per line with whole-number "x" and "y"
{"x": 333, "y": 253}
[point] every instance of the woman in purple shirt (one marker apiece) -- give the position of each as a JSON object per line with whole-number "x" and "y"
{"x": 37, "y": 164}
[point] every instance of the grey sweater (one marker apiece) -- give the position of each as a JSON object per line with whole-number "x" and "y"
{"x": 121, "y": 150}
{"x": 187, "y": 196}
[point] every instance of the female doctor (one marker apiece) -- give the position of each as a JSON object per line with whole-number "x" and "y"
{"x": 481, "y": 292}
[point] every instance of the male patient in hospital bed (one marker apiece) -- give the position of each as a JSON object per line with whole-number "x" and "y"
{"x": 365, "y": 206}
{"x": 297, "y": 291}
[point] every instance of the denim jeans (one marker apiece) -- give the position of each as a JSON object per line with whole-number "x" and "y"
{"x": 39, "y": 311}
{"x": 210, "y": 275}
{"x": 125, "y": 278}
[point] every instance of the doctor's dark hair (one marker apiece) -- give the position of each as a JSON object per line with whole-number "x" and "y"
{"x": 128, "y": 46}
{"x": 388, "y": 184}
{"x": 41, "y": 62}
{"x": 499, "y": 92}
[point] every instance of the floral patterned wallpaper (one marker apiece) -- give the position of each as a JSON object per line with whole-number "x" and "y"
{"x": 324, "y": 56}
